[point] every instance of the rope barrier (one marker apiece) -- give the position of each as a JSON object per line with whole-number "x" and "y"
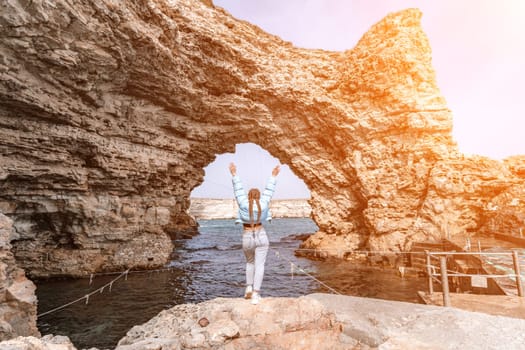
{"x": 130, "y": 272}
{"x": 452, "y": 273}
{"x": 385, "y": 252}
{"x": 101, "y": 289}
{"x": 339, "y": 250}
{"x": 125, "y": 274}
{"x": 293, "y": 265}
{"x": 455, "y": 274}
{"x": 469, "y": 253}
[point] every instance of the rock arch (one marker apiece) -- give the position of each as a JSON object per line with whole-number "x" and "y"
{"x": 111, "y": 110}
{"x": 254, "y": 165}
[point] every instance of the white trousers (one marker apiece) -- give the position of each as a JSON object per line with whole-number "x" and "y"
{"x": 255, "y": 247}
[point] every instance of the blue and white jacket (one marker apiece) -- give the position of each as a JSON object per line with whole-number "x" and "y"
{"x": 242, "y": 201}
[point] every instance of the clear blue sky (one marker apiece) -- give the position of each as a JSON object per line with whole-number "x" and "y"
{"x": 478, "y": 52}
{"x": 254, "y": 166}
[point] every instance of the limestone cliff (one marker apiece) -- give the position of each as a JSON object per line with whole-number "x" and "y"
{"x": 209, "y": 208}
{"x": 17, "y": 293}
{"x": 110, "y": 110}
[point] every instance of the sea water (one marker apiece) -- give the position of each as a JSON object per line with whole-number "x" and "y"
{"x": 207, "y": 266}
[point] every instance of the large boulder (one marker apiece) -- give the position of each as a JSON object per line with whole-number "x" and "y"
{"x": 17, "y": 293}
{"x": 276, "y": 323}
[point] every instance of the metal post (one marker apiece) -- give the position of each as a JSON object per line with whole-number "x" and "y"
{"x": 516, "y": 262}
{"x": 479, "y": 248}
{"x": 444, "y": 280}
{"x": 429, "y": 274}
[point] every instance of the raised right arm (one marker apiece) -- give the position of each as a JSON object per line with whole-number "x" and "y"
{"x": 238, "y": 190}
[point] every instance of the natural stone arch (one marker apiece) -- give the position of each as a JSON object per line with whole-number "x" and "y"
{"x": 254, "y": 165}
{"x": 111, "y": 110}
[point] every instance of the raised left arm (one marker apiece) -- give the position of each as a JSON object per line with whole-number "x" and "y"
{"x": 267, "y": 194}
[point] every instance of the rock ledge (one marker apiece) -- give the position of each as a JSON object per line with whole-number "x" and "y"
{"x": 315, "y": 321}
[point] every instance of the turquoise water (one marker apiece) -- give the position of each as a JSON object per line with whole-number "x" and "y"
{"x": 209, "y": 265}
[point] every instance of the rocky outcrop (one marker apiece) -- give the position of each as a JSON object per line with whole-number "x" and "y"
{"x": 322, "y": 321}
{"x": 315, "y": 321}
{"x": 236, "y": 324}
{"x": 505, "y": 212}
{"x": 48, "y": 342}
{"x": 111, "y": 110}
{"x": 17, "y": 293}
{"x": 210, "y": 208}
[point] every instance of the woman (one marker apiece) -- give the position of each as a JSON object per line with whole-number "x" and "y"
{"x": 253, "y": 210}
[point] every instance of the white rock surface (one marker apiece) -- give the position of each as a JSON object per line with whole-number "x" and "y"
{"x": 324, "y": 321}
{"x": 312, "y": 322}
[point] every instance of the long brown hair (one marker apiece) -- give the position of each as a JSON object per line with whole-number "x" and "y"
{"x": 253, "y": 196}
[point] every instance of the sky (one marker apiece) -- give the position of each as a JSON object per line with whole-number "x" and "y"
{"x": 254, "y": 167}
{"x": 478, "y": 52}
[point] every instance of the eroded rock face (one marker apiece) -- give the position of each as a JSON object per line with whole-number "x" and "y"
{"x": 17, "y": 293}
{"x": 505, "y": 213}
{"x": 110, "y": 111}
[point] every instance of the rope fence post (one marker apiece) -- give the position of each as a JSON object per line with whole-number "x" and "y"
{"x": 429, "y": 274}
{"x": 298, "y": 268}
{"x": 444, "y": 280}
{"x": 516, "y": 262}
